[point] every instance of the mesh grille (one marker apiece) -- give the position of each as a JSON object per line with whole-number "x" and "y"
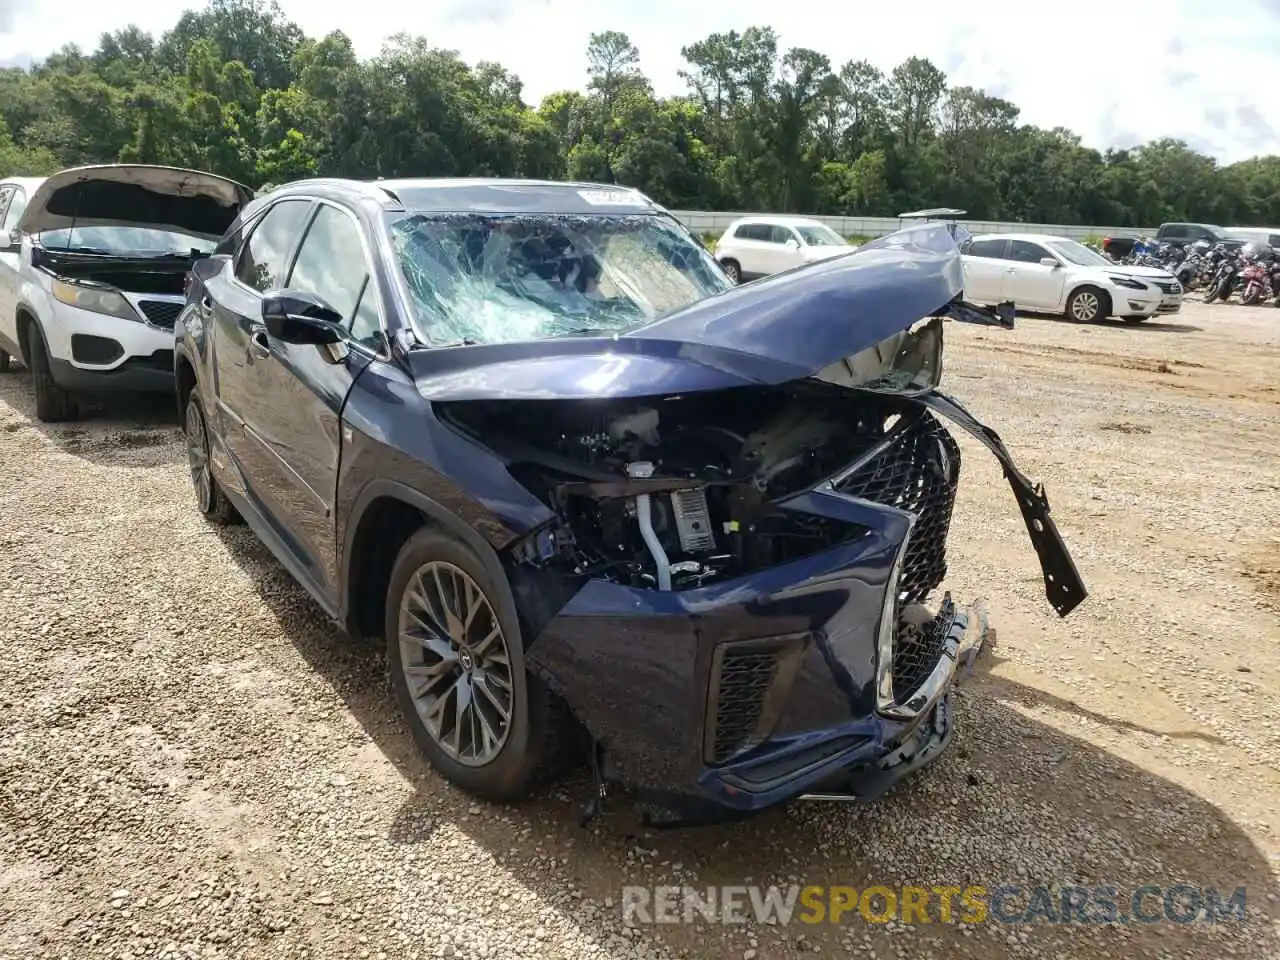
{"x": 918, "y": 473}
{"x": 916, "y": 651}
{"x": 160, "y": 313}
{"x": 740, "y": 687}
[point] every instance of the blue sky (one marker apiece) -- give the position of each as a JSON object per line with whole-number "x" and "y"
{"x": 1116, "y": 73}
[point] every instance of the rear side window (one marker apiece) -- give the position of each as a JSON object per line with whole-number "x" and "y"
{"x": 780, "y": 234}
{"x": 986, "y": 248}
{"x": 753, "y": 231}
{"x": 16, "y": 207}
{"x": 264, "y": 259}
{"x": 1175, "y": 231}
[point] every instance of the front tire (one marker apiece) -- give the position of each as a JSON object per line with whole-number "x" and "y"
{"x": 210, "y": 500}
{"x": 457, "y": 666}
{"x": 54, "y": 404}
{"x": 1088, "y": 305}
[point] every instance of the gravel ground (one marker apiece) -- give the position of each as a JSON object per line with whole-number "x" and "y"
{"x": 193, "y": 763}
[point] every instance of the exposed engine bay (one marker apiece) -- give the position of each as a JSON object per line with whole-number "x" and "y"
{"x": 680, "y": 491}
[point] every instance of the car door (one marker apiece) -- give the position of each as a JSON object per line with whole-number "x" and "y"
{"x": 297, "y": 390}
{"x": 783, "y": 250}
{"x": 983, "y": 269}
{"x": 9, "y": 260}
{"x": 1027, "y": 281}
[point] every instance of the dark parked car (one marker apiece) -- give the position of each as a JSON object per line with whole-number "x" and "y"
{"x": 531, "y": 435}
{"x": 1173, "y": 234}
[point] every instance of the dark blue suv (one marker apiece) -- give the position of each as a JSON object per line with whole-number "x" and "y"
{"x": 600, "y": 503}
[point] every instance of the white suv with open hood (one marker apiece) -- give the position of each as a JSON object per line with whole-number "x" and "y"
{"x": 93, "y": 264}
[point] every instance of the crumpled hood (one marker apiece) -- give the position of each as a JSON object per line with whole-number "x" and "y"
{"x": 784, "y": 327}
{"x": 135, "y": 195}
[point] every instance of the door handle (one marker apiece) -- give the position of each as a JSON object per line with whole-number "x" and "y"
{"x": 259, "y": 346}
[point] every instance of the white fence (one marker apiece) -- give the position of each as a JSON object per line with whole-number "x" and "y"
{"x": 702, "y": 221}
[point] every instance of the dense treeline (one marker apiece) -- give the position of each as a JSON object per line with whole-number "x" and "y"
{"x": 238, "y": 89}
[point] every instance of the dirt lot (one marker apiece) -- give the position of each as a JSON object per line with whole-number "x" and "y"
{"x": 193, "y": 763}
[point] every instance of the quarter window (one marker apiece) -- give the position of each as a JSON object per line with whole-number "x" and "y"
{"x": 264, "y": 259}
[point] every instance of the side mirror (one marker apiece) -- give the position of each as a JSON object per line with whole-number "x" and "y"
{"x": 792, "y": 245}
{"x": 1049, "y": 262}
{"x": 11, "y": 242}
{"x": 292, "y": 316}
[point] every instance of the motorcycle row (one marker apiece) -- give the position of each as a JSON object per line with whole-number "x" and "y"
{"x": 1251, "y": 271}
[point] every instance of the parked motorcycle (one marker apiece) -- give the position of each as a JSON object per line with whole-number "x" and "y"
{"x": 1223, "y": 280}
{"x": 1255, "y": 279}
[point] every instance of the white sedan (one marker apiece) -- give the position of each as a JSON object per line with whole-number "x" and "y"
{"x": 1047, "y": 274}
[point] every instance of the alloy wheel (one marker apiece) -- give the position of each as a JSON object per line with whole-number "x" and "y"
{"x": 1085, "y": 306}
{"x": 198, "y": 458}
{"x": 456, "y": 663}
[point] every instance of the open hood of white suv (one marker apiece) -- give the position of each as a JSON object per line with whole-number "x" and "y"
{"x": 135, "y": 195}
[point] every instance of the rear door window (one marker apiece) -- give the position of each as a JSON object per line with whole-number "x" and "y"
{"x": 993, "y": 249}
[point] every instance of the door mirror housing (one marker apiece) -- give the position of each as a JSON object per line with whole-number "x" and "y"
{"x": 10, "y": 242}
{"x": 1049, "y": 262}
{"x": 792, "y": 244}
{"x": 292, "y": 316}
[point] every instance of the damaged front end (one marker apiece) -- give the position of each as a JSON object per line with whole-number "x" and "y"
{"x": 738, "y": 591}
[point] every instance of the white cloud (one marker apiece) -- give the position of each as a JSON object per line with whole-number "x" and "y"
{"x": 1115, "y": 73}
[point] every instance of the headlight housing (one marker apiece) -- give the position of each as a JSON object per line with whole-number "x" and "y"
{"x": 96, "y": 298}
{"x": 1128, "y": 283}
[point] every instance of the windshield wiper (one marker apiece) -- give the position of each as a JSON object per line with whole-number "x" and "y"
{"x": 588, "y": 332}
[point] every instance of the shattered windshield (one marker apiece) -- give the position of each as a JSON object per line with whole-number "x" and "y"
{"x": 495, "y": 279}
{"x": 125, "y": 241}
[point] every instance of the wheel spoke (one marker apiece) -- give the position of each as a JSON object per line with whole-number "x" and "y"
{"x": 481, "y": 684}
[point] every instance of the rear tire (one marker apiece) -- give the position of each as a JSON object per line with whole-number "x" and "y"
{"x": 732, "y": 269}
{"x": 54, "y": 404}
{"x": 448, "y": 636}
{"x": 210, "y": 500}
